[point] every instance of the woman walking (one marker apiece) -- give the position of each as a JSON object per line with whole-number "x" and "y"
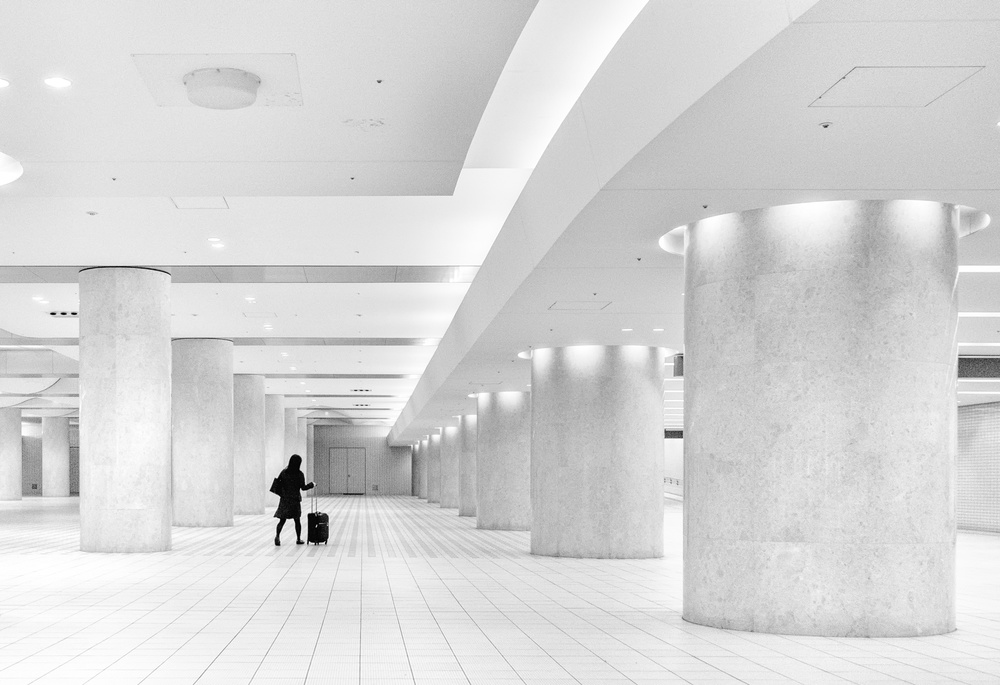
{"x": 290, "y": 507}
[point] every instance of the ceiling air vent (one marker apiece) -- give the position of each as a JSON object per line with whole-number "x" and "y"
{"x": 65, "y": 315}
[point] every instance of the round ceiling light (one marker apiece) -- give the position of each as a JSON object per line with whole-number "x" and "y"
{"x": 10, "y": 169}
{"x": 222, "y": 88}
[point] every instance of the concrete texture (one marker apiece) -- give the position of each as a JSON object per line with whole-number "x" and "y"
{"x": 821, "y": 419}
{"x": 202, "y": 432}
{"x": 125, "y": 359}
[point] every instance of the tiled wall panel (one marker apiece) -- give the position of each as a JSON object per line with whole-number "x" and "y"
{"x": 387, "y": 468}
{"x": 978, "y": 496}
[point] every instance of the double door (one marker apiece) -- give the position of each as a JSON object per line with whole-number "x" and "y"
{"x": 347, "y": 470}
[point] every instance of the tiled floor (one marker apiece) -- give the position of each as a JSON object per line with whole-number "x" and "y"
{"x": 407, "y": 592}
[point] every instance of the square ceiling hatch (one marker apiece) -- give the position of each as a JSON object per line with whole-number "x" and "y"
{"x": 893, "y": 86}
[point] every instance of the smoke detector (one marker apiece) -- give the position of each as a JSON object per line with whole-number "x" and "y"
{"x": 221, "y": 88}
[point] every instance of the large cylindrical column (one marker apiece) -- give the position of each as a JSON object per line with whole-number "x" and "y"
{"x": 248, "y": 444}
{"x": 425, "y": 465}
{"x": 597, "y": 451}
{"x": 311, "y": 453}
{"x": 820, "y": 424}
{"x": 10, "y": 454}
{"x": 450, "y": 449}
{"x": 274, "y": 443}
{"x": 416, "y": 470}
{"x": 203, "y": 432}
{"x": 303, "y": 447}
{"x": 434, "y": 469}
{"x": 125, "y": 502}
{"x": 291, "y": 435}
{"x": 503, "y": 461}
{"x": 467, "y": 465}
{"x": 55, "y": 456}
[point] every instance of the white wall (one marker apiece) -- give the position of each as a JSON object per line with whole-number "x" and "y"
{"x": 387, "y": 469}
{"x": 978, "y": 494}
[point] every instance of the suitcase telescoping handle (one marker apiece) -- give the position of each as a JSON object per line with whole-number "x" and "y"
{"x": 314, "y": 499}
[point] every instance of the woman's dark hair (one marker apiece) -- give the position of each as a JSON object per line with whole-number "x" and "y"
{"x": 295, "y": 463}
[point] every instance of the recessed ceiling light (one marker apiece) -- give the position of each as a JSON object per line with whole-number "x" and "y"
{"x": 58, "y": 82}
{"x": 526, "y": 354}
{"x": 302, "y": 382}
{"x": 473, "y": 395}
{"x": 214, "y": 240}
{"x": 4, "y": 83}
{"x": 293, "y": 368}
{"x": 218, "y": 245}
{"x": 657, "y": 330}
{"x": 626, "y": 330}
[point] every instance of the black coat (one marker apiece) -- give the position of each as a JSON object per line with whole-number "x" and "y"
{"x": 292, "y": 484}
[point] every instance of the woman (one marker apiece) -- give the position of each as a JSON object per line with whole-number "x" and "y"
{"x": 290, "y": 507}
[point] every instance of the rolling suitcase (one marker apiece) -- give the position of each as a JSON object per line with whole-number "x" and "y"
{"x": 317, "y": 524}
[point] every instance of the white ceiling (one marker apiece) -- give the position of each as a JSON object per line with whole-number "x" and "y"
{"x": 421, "y": 169}
{"x": 552, "y": 143}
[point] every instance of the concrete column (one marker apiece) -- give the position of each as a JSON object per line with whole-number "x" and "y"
{"x": 424, "y": 465}
{"x": 203, "y": 432}
{"x": 503, "y": 461}
{"x": 302, "y": 426}
{"x": 467, "y": 465}
{"x": 597, "y": 452}
{"x": 125, "y": 359}
{"x": 292, "y": 443}
{"x": 820, "y": 364}
{"x": 416, "y": 469}
{"x": 248, "y": 444}
{"x": 55, "y": 456}
{"x": 311, "y": 452}
{"x": 450, "y": 449}
{"x": 434, "y": 469}
{"x": 10, "y": 454}
{"x": 274, "y": 443}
